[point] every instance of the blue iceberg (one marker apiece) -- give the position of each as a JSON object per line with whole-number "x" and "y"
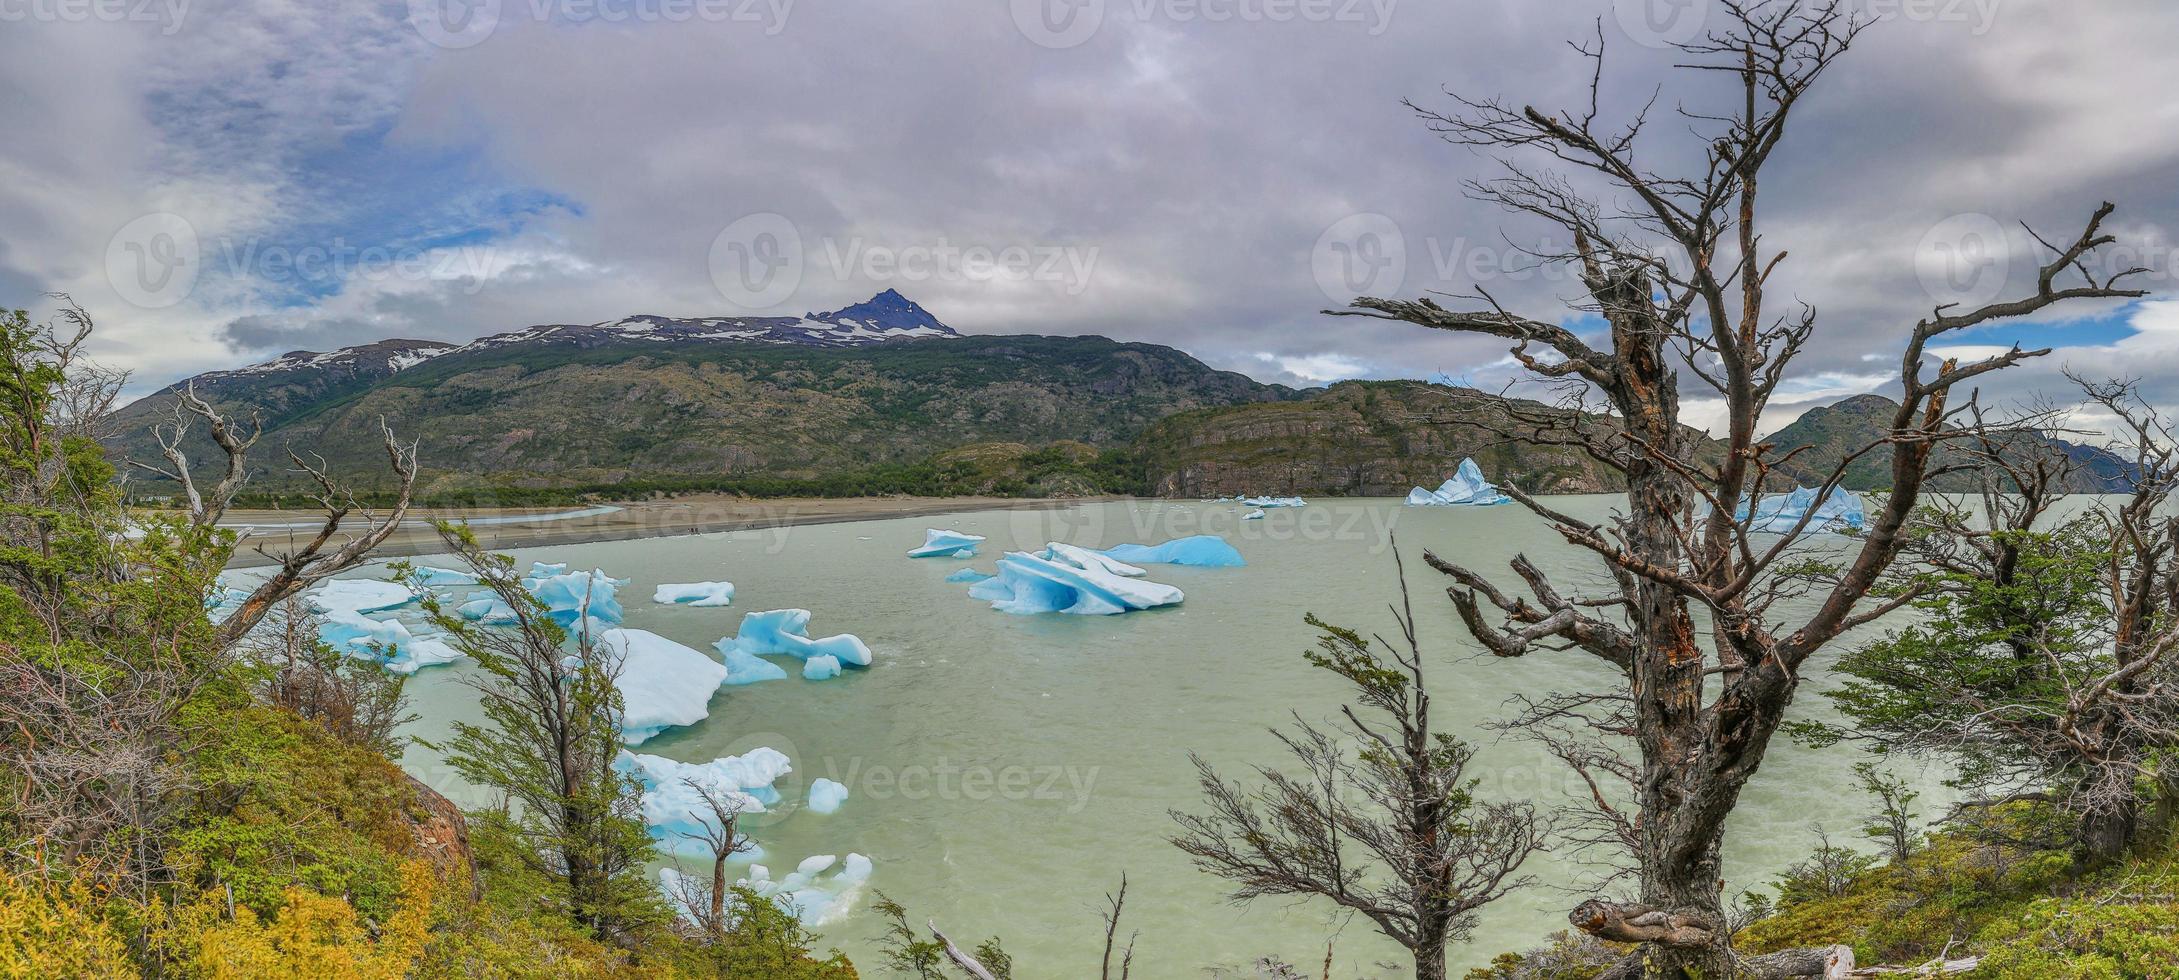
{"x": 968, "y": 575}
{"x": 746, "y": 668}
{"x": 570, "y": 596}
{"x": 787, "y": 631}
{"x": 1271, "y": 501}
{"x": 822, "y": 667}
{"x": 694, "y": 594}
{"x": 358, "y": 595}
{"x": 1201, "y": 550}
{"x": 1467, "y": 488}
{"x": 938, "y": 543}
{"x": 826, "y": 795}
{"x": 434, "y": 576}
{"x": 662, "y": 683}
{"x": 1028, "y": 584}
{"x": 675, "y": 810}
{"x": 1841, "y": 511}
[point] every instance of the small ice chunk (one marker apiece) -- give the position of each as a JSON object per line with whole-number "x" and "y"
{"x": 662, "y": 683}
{"x": 358, "y": 595}
{"x": 1466, "y": 488}
{"x": 826, "y": 796}
{"x": 434, "y": 576}
{"x": 1202, "y": 550}
{"x": 487, "y": 608}
{"x": 746, "y": 668}
{"x": 820, "y": 668}
{"x": 968, "y": 575}
{"x": 940, "y": 543}
{"x": 694, "y": 594}
{"x": 1254, "y": 515}
{"x": 1271, "y": 501}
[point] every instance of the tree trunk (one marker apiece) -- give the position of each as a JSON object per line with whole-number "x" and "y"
{"x": 2107, "y": 833}
{"x": 718, "y": 892}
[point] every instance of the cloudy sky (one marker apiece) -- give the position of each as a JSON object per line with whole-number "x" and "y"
{"x": 222, "y": 182}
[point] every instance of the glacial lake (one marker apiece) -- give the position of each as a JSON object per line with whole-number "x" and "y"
{"x": 1005, "y": 770}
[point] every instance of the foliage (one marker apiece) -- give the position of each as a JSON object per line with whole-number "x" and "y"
{"x": 309, "y": 935}
{"x": 550, "y": 735}
{"x": 908, "y": 951}
{"x": 49, "y": 929}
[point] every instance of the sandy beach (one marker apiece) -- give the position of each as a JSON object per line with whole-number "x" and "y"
{"x": 509, "y": 528}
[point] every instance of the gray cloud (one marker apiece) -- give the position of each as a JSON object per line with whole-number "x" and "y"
{"x": 1188, "y": 166}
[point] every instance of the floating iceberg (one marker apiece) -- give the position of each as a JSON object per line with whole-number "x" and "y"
{"x": 400, "y": 651}
{"x": 813, "y": 902}
{"x": 1467, "y": 488}
{"x": 358, "y": 595}
{"x": 694, "y": 594}
{"x": 1842, "y": 510}
{"x": 387, "y": 642}
{"x": 787, "y": 631}
{"x": 433, "y": 576}
{"x": 1271, "y": 501}
{"x": 662, "y": 683}
{"x": 939, "y": 543}
{"x": 1201, "y": 550}
{"x": 487, "y": 608}
{"x": 542, "y": 570}
{"x": 821, "y": 668}
{"x": 746, "y": 668}
{"x": 827, "y": 795}
{"x": 1254, "y": 515}
{"x": 1029, "y": 584}
{"x": 968, "y": 575}
{"x": 675, "y": 810}
{"x": 1094, "y": 560}
{"x": 569, "y": 596}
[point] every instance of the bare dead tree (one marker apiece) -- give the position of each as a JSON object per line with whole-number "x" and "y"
{"x": 205, "y": 510}
{"x": 1115, "y": 904}
{"x": 1391, "y": 831}
{"x": 326, "y": 552}
{"x": 1678, "y": 273}
{"x": 722, "y": 837}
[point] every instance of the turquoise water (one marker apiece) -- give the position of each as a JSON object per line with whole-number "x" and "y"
{"x": 1005, "y": 770}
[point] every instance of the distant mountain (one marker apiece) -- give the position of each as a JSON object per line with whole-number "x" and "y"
{"x": 723, "y": 399}
{"x": 1831, "y": 433}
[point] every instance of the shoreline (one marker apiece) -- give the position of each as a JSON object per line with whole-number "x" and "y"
{"x": 513, "y": 528}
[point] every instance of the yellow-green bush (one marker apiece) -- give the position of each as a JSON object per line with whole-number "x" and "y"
{"x": 311, "y": 935}
{"x": 50, "y": 930}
